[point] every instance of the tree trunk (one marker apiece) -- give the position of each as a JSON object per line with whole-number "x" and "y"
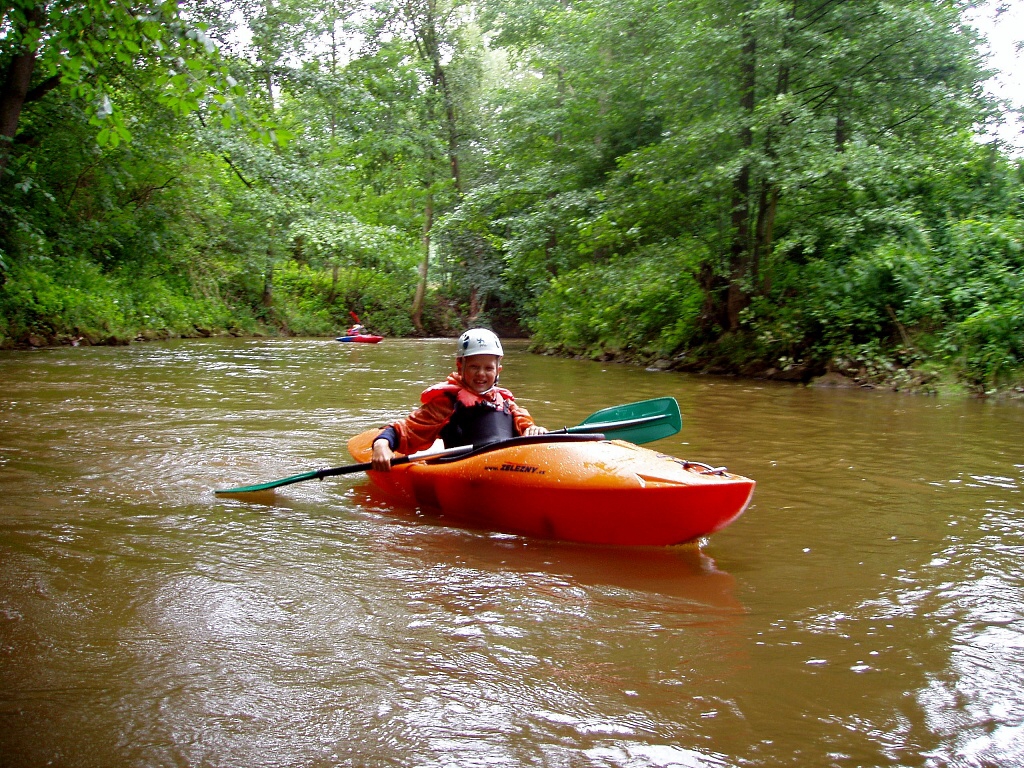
{"x": 14, "y": 91}
{"x": 451, "y": 129}
{"x": 767, "y": 207}
{"x": 268, "y": 281}
{"x": 429, "y": 44}
{"x": 768, "y": 198}
{"x": 841, "y": 135}
{"x": 737, "y": 297}
{"x": 475, "y": 308}
{"x": 421, "y": 286}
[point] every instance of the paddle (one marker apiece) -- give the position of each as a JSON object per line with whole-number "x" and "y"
{"x": 639, "y": 422}
{"x": 350, "y": 469}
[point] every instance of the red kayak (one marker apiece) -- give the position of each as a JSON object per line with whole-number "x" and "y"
{"x": 579, "y": 488}
{"x": 361, "y": 338}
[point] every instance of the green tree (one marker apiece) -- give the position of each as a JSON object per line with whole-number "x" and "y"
{"x": 87, "y": 45}
{"x": 441, "y": 34}
{"x": 798, "y": 108}
{"x": 755, "y": 135}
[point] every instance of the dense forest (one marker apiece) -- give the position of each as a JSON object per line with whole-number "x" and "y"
{"x": 778, "y": 188}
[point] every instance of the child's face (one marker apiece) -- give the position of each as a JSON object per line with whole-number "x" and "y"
{"x": 479, "y": 372}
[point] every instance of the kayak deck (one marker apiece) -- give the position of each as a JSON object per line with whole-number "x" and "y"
{"x": 592, "y": 490}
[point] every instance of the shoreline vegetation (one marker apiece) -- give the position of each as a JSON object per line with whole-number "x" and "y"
{"x": 789, "y": 191}
{"x": 835, "y": 374}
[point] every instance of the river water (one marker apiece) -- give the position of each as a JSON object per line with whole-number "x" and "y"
{"x": 865, "y": 611}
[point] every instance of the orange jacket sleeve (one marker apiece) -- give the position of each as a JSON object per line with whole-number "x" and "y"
{"x": 420, "y": 428}
{"x": 522, "y": 417}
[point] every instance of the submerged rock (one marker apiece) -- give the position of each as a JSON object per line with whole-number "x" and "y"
{"x": 834, "y": 380}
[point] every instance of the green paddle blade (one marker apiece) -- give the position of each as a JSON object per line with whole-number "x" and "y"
{"x": 271, "y": 485}
{"x": 641, "y": 422}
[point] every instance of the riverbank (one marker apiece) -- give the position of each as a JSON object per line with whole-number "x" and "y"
{"x": 836, "y": 374}
{"x": 920, "y": 377}
{"x": 39, "y": 341}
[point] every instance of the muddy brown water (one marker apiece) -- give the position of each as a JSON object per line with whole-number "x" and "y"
{"x": 866, "y": 610}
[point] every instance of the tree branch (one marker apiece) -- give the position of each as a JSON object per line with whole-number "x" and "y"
{"x": 43, "y": 88}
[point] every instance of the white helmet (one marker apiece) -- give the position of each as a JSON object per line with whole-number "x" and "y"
{"x": 478, "y": 341}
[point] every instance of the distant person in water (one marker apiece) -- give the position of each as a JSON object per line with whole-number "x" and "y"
{"x": 466, "y": 409}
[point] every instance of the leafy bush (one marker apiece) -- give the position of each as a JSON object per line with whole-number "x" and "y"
{"x": 311, "y": 302}
{"x": 36, "y": 301}
{"x": 645, "y": 307}
{"x": 62, "y": 302}
{"x": 959, "y": 302}
{"x": 983, "y": 299}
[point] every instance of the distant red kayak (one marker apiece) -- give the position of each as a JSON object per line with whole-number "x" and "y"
{"x": 361, "y": 338}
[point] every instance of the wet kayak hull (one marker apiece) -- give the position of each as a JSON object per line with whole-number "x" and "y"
{"x": 598, "y": 492}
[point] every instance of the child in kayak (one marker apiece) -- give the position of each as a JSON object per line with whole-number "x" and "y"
{"x": 467, "y": 409}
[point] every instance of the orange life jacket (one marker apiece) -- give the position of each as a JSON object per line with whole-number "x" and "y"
{"x": 476, "y": 418}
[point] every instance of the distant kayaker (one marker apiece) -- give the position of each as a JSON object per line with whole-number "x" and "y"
{"x": 356, "y": 330}
{"x": 467, "y": 409}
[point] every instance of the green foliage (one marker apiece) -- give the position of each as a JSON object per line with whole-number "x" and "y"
{"x": 822, "y": 156}
{"x": 646, "y": 306}
{"x": 981, "y": 277}
{"x": 77, "y": 302}
{"x": 726, "y": 182}
{"x": 315, "y": 304}
{"x": 87, "y": 44}
{"x": 34, "y": 303}
{"x": 958, "y": 302}
{"x": 342, "y": 240}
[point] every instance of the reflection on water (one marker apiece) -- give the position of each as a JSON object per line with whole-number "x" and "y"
{"x": 866, "y": 610}
{"x": 683, "y": 572}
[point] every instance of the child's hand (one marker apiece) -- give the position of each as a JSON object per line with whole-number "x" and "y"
{"x": 382, "y": 455}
